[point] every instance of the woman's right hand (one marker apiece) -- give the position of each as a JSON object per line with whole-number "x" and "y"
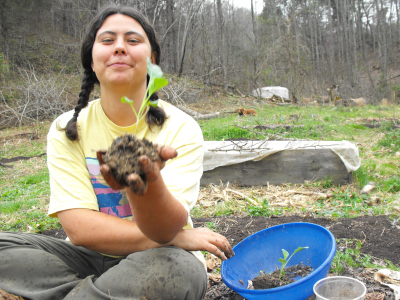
{"x": 203, "y": 239}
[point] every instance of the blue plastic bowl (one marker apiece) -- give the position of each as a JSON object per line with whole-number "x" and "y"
{"x": 262, "y": 250}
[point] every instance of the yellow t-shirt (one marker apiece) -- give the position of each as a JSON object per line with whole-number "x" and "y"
{"x": 75, "y": 178}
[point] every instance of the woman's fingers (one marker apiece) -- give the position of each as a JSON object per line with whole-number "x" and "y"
{"x": 150, "y": 168}
{"x": 222, "y": 243}
{"x": 217, "y": 244}
{"x": 107, "y": 174}
{"x": 136, "y": 184}
{"x": 217, "y": 252}
{"x": 166, "y": 152}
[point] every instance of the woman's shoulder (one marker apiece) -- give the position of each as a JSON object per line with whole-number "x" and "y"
{"x": 62, "y": 120}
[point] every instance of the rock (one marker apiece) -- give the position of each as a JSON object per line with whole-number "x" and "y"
{"x": 359, "y": 101}
{"x": 269, "y": 91}
{"x": 368, "y": 188}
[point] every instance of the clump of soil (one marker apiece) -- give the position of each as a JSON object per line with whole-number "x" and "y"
{"x": 272, "y": 280}
{"x": 123, "y": 157}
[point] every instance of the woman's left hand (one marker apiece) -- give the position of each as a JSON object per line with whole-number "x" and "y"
{"x": 203, "y": 239}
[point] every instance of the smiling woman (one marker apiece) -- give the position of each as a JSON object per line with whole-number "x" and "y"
{"x": 119, "y": 61}
{"x": 124, "y": 243}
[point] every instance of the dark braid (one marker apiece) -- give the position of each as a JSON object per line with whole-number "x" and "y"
{"x": 88, "y": 81}
{"x": 155, "y": 115}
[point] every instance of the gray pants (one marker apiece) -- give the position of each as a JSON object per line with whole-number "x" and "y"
{"x": 40, "y": 267}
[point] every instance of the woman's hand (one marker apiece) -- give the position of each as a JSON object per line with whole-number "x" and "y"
{"x": 203, "y": 239}
{"x": 151, "y": 170}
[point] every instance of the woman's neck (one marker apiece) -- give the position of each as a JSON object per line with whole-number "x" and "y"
{"x": 119, "y": 113}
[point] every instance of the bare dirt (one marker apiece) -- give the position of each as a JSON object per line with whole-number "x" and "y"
{"x": 123, "y": 157}
{"x": 275, "y": 279}
{"x": 379, "y": 235}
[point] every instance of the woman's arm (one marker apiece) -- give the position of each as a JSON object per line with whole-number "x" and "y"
{"x": 158, "y": 214}
{"x": 114, "y": 236}
{"x": 103, "y": 233}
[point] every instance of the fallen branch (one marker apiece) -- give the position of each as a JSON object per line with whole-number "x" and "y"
{"x": 189, "y": 111}
{"x": 208, "y": 116}
{"x": 196, "y": 115}
{"x": 244, "y": 196}
{"x": 308, "y": 193}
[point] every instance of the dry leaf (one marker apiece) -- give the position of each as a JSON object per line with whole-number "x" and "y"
{"x": 212, "y": 262}
{"x": 375, "y": 296}
{"x": 215, "y": 277}
{"x": 368, "y": 188}
{"x": 389, "y": 278}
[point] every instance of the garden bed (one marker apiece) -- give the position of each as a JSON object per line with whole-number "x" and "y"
{"x": 379, "y": 237}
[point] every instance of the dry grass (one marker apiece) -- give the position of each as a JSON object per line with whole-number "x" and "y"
{"x": 308, "y": 199}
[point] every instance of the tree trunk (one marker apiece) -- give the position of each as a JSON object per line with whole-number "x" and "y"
{"x": 4, "y": 28}
{"x": 221, "y": 38}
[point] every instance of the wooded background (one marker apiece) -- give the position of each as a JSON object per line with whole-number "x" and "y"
{"x": 304, "y": 45}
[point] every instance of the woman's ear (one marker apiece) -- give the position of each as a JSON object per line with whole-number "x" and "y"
{"x": 153, "y": 58}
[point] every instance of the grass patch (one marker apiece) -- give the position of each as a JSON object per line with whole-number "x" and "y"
{"x": 391, "y": 141}
{"x": 24, "y": 200}
{"x": 348, "y": 255}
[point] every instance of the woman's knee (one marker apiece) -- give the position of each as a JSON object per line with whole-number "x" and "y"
{"x": 162, "y": 273}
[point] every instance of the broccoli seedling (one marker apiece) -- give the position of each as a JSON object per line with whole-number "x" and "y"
{"x": 284, "y": 260}
{"x": 156, "y": 82}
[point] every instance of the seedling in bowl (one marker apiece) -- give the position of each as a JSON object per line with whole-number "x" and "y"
{"x": 285, "y": 259}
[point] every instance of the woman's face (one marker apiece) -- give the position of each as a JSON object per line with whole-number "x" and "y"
{"x": 120, "y": 52}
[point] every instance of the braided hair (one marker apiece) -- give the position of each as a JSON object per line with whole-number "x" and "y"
{"x": 155, "y": 116}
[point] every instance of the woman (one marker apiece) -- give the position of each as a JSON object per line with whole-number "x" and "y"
{"x": 123, "y": 244}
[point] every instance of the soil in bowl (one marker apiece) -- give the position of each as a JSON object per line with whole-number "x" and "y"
{"x": 123, "y": 157}
{"x": 272, "y": 280}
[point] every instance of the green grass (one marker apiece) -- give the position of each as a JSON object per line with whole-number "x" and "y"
{"x": 391, "y": 140}
{"x": 263, "y": 210}
{"x": 391, "y": 185}
{"x": 348, "y": 255}
{"x": 24, "y": 203}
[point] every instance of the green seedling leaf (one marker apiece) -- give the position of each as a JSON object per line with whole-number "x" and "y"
{"x": 156, "y": 82}
{"x": 298, "y": 249}
{"x": 126, "y": 100}
{"x": 153, "y": 103}
{"x": 284, "y": 260}
{"x": 285, "y": 254}
{"x": 154, "y": 71}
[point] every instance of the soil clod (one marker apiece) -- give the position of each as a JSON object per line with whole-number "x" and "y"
{"x": 123, "y": 157}
{"x": 272, "y": 280}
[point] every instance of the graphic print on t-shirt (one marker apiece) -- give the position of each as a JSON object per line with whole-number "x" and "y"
{"x": 111, "y": 202}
